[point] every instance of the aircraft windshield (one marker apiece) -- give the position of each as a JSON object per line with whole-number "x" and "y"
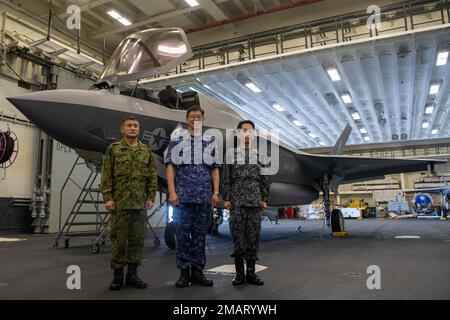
{"x": 147, "y": 53}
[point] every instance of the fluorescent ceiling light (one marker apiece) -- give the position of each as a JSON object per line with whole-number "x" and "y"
{"x": 114, "y": 14}
{"x": 278, "y": 107}
{"x": 312, "y": 135}
{"x": 206, "y": 86}
{"x": 192, "y": 89}
{"x": 346, "y": 98}
{"x": 192, "y": 3}
{"x": 442, "y": 58}
{"x": 252, "y": 87}
{"x": 118, "y": 17}
{"x": 355, "y": 116}
{"x": 125, "y": 21}
{"x": 434, "y": 88}
{"x": 334, "y": 74}
{"x": 425, "y": 124}
{"x": 366, "y": 138}
{"x": 298, "y": 123}
{"x": 321, "y": 143}
{"x": 429, "y": 110}
{"x": 363, "y": 130}
{"x": 434, "y": 131}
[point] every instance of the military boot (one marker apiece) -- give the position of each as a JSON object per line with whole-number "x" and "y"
{"x": 240, "y": 274}
{"x": 199, "y": 278}
{"x": 184, "y": 279}
{"x": 252, "y": 278}
{"x": 132, "y": 279}
{"x": 117, "y": 282}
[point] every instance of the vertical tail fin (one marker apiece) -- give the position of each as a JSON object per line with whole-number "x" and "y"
{"x": 340, "y": 143}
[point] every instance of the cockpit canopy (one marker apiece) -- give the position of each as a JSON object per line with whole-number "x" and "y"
{"x": 147, "y": 53}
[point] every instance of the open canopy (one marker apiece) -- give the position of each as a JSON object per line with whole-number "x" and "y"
{"x": 147, "y": 53}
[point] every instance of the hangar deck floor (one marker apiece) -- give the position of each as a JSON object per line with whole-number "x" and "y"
{"x": 299, "y": 265}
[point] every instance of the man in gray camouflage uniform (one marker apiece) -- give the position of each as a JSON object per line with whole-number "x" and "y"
{"x": 245, "y": 192}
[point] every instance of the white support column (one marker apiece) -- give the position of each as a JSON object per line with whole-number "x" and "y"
{"x": 402, "y": 181}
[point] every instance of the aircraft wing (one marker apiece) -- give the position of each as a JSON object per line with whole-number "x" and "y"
{"x": 348, "y": 169}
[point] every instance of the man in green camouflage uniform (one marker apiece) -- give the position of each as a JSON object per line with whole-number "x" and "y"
{"x": 128, "y": 186}
{"x": 245, "y": 192}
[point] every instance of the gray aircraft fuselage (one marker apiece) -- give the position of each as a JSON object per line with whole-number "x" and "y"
{"x": 89, "y": 120}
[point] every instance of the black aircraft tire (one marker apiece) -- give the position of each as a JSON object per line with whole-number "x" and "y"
{"x": 337, "y": 221}
{"x": 169, "y": 235}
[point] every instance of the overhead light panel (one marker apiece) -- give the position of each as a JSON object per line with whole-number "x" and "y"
{"x": 312, "y": 135}
{"x": 434, "y": 131}
{"x": 429, "y": 110}
{"x": 192, "y": 3}
{"x": 321, "y": 143}
{"x": 346, "y": 98}
{"x": 425, "y": 125}
{"x": 366, "y": 138}
{"x": 114, "y": 14}
{"x": 125, "y": 21}
{"x": 253, "y": 87}
{"x": 206, "y": 86}
{"x": 278, "y": 107}
{"x": 434, "y": 88}
{"x": 118, "y": 17}
{"x": 363, "y": 130}
{"x": 442, "y": 58}
{"x": 334, "y": 74}
{"x": 356, "y": 116}
{"x": 298, "y": 123}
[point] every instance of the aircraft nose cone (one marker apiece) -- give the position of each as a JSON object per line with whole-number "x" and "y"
{"x": 23, "y": 105}
{"x": 36, "y": 110}
{"x": 68, "y": 116}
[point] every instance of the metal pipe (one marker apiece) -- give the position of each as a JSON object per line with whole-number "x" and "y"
{"x": 103, "y": 51}
{"x": 49, "y": 26}
{"x": 3, "y": 30}
{"x": 78, "y": 41}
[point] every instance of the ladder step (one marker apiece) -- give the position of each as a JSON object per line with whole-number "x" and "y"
{"x": 91, "y": 201}
{"x": 68, "y": 235}
{"x": 86, "y": 213}
{"x": 97, "y": 190}
{"x": 93, "y": 223}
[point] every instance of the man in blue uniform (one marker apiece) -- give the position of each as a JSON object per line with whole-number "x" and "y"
{"x": 193, "y": 181}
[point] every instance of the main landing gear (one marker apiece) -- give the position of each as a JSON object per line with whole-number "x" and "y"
{"x": 332, "y": 217}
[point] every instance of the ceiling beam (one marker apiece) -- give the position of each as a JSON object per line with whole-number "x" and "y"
{"x": 159, "y": 17}
{"x": 241, "y": 7}
{"x": 257, "y": 5}
{"x": 217, "y": 13}
{"x": 90, "y": 5}
{"x": 213, "y": 10}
